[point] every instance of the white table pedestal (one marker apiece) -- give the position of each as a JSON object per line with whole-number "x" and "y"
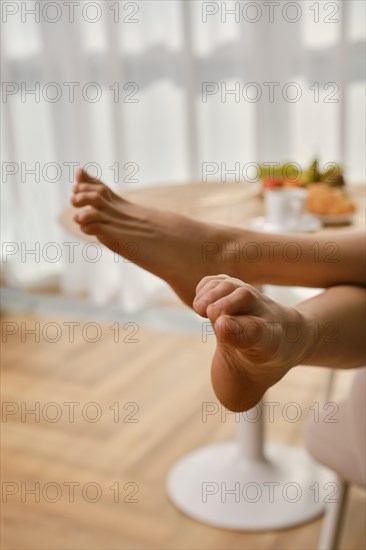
{"x": 246, "y": 486}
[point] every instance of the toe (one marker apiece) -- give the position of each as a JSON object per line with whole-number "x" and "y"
{"x": 85, "y": 187}
{"x": 209, "y": 279}
{"x": 97, "y": 188}
{"x": 201, "y": 300}
{"x": 85, "y": 198}
{"x": 223, "y": 296}
{"x": 93, "y": 228}
{"x": 228, "y": 300}
{"x": 240, "y": 332}
{"x": 228, "y": 330}
{"x": 88, "y": 215}
{"x": 82, "y": 176}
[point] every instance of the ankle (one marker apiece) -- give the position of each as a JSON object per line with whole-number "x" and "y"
{"x": 240, "y": 256}
{"x": 308, "y": 338}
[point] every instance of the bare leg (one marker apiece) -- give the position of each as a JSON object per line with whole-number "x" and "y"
{"x": 166, "y": 244}
{"x": 259, "y": 340}
{"x": 182, "y": 251}
{"x": 338, "y": 323}
{"x": 255, "y": 346}
{"x": 318, "y": 261}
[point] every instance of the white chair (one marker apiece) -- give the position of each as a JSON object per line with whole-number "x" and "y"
{"x": 341, "y": 446}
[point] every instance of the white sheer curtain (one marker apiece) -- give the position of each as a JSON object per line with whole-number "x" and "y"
{"x": 120, "y": 85}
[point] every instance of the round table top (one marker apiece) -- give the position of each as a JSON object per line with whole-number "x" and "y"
{"x": 234, "y": 204}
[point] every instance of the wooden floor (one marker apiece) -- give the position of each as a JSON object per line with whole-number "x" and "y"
{"x": 161, "y": 382}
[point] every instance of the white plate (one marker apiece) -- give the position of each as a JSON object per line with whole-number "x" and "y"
{"x": 335, "y": 219}
{"x": 307, "y": 224}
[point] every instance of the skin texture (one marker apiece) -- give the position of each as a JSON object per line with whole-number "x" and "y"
{"x": 182, "y": 251}
{"x": 256, "y": 342}
{"x": 259, "y": 340}
{"x": 166, "y": 244}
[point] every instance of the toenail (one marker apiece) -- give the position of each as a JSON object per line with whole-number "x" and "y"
{"x": 216, "y": 308}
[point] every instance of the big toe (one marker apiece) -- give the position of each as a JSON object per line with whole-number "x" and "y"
{"x": 82, "y": 176}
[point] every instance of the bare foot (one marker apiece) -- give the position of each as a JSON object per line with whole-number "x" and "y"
{"x": 258, "y": 340}
{"x": 166, "y": 244}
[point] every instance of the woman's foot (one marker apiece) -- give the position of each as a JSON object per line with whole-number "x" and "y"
{"x": 166, "y": 244}
{"x": 258, "y": 340}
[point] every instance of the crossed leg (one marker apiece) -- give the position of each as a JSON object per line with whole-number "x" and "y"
{"x": 254, "y": 345}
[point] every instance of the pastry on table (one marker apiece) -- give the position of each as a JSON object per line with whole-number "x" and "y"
{"x": 328, "y": 201}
